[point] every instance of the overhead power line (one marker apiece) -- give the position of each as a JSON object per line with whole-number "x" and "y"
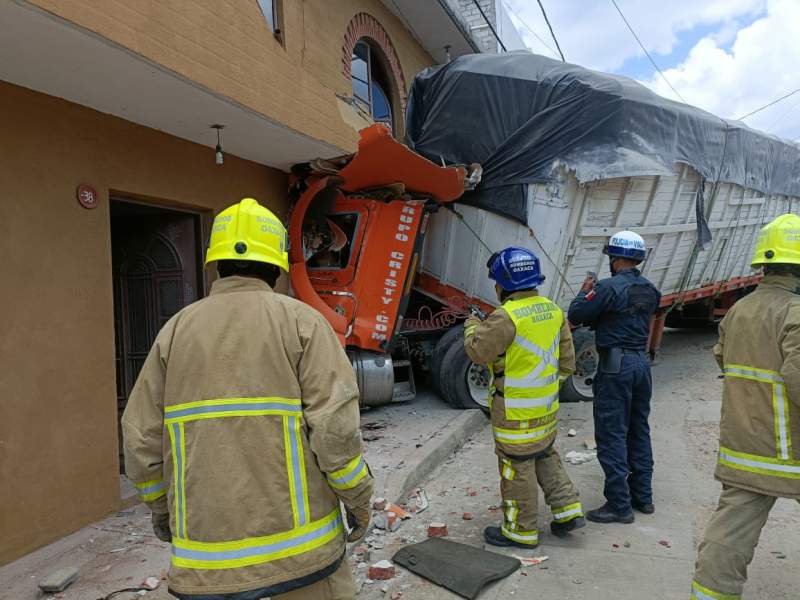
{"x": 642, "y": 46}
{"x": 529, "y": 28}
{"x": 489, "y": 23}
{"x": 552, "y": 33}
{"x": 760, "y": 108}
{"x": 782, "y": 116}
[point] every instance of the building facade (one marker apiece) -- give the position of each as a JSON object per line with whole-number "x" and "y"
{"x": 489, "y": 24}
{"x": 110, "y": 181}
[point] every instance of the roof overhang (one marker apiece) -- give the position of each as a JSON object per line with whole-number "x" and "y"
{"x": 45, "y": 53}
{"x": 435, "y": 24}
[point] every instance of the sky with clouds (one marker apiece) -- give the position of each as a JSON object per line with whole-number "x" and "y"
{"x": 726, "y": 56}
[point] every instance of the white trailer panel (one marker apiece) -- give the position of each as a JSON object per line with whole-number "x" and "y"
{"x": 569, "y": 223}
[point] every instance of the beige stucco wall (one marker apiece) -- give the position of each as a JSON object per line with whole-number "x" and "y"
{"x": 225, "y": 46}
{"x": 58, "y": 434}
{"x": 58, "y": 431}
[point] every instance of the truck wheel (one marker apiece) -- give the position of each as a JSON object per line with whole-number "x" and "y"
{"x": 439, "y": 350}
{"x": 578, "y": 387}
{"x": 464, "y": 383}
{"x": 676, "y": 320}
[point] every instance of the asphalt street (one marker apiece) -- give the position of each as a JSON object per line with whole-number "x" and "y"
{"x": 652, "y": 558}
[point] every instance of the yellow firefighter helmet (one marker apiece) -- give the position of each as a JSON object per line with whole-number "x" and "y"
{"x": 248, "y": 231}
{"x": 779, "y": 242}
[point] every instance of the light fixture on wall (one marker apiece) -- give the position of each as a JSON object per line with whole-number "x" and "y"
{"x": 447, "y": 53}
{"x": 219, "y": 158}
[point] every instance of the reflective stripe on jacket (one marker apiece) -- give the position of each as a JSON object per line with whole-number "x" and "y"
{"x": 759, "y": 351}
{"x": 244, "y": 426}
{"x": 491, "y": 341}
{"x": 531, "y": 366}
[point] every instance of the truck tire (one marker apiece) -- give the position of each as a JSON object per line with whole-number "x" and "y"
{"x": 678, "y": 320}
{"x": 578, "y": 386}
{"x": 439, "y": 350}
{"x": 464, "y": 383}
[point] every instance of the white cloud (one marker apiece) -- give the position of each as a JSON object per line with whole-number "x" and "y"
{"x": 759, "y": 67}
{"x": 592, "y": 34}
{"x": 748, "y": 58}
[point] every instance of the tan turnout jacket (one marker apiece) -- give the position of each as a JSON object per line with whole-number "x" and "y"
{"x": 759, "y": 351}
{"x": 486, "y": 345}
{"x": 244, "y": 426}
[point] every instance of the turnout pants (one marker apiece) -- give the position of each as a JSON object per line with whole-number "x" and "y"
{"x": 729, "y": 544}
{"x": 621, "y": 409}
{"x": 339, "y": 585}
{"x": 520, "y": 493}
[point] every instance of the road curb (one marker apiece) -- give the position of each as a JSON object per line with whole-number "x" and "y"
{"x": 458, "y": 431}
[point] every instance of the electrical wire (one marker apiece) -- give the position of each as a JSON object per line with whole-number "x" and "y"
{"x": 529, "y": 28}
{"x": 468, "y": 226}
{"x": 650, "y": 58}
{"x": 782, "y": 116}
{"x": 760, "y": 108}
{"x": 552, "y": 33}
{"x": 533, "y": 234}
{"x": 552, "y": 262}
{"x": 489, "y": 23}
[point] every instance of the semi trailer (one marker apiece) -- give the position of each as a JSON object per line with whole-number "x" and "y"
{"x": 391, "y": 246}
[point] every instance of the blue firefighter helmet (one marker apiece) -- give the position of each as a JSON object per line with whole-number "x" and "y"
{"x": 626, "y": 244}
{"x": 515, "y": 269}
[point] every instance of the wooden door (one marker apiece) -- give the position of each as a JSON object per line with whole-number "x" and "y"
{"x": 155, "y": 274}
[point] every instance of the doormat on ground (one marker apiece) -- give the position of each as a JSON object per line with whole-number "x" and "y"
{"x": 462, "y": 569}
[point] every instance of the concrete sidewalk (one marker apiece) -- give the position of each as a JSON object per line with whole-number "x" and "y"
{"x": 404, "y": 444}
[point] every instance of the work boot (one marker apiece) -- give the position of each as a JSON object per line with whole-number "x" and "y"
{"x": 647, "y": 508}
{"x": 563, "y": 529}
{"x": 495, "y": 537}
{"x": 605, "y": 514}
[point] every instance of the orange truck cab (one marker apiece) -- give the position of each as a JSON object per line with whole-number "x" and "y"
{"x": 356, "y": 233}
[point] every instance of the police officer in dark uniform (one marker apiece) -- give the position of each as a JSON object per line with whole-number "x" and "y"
{"x": 619, "y": 310}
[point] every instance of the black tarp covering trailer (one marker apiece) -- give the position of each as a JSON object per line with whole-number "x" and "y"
{"x": 521, "y": 115}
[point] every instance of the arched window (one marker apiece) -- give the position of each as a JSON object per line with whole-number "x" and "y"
{"x": 371, "y": 88}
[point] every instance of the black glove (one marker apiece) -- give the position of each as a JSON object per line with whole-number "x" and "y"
{"x": 358, "y": 518}
{"x": 161, "y": 526}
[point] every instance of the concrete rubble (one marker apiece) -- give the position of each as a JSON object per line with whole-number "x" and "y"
{"x": 578, "y": 458}
{"x": 58, "y": 580}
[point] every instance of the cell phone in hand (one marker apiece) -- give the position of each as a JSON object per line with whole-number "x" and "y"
{"x": 591, "y": 275}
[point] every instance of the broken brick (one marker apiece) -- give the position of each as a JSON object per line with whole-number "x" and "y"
{"x": 467, "y": 516}
{"x": 381, "y": 570}
{"x": 437, "y": 530}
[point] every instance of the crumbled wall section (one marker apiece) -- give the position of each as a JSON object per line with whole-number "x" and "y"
{"x": 479, "y": 30}
{"x": 363, "y": 25}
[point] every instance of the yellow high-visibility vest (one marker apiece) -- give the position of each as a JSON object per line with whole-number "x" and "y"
{"x": 531, "y": 365}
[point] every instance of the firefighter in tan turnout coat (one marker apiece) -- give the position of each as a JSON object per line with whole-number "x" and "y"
{"x": 759, "y": 453}
{"x": 528, "y": 345}
{"x": 242, "y": 432}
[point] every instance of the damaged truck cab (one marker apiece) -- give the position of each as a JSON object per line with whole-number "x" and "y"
{"x": 356, "y": 237}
